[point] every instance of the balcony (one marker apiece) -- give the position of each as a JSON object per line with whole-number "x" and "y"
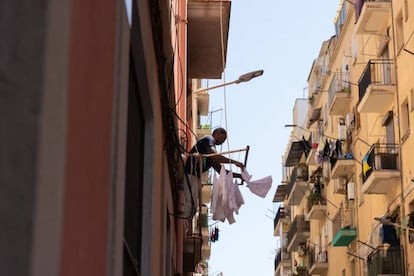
{"x": 377, "y": 87}
{"x": 208, "y": 23}
{"x": 386, "y": 260}
{"x": 282, "y": 217}
{"x": 282, "y": 261}
{"x": 298, "y": 233}
{"x": 343, "y": 224}
{"x": 316, "y": 207}
{"x": 380, "y": 169}
{"x": 298, "y": 185}
{"x": 318, "y": 261}
{"x": 343, "y": 168}
{"x": 296, "y": 151}
{"x": 339, "y": 94}
{"x": 281, "y": 193}
{"x": 372, "y": 16}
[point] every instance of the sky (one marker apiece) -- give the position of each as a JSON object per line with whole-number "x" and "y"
{"x": 282, "y": 38}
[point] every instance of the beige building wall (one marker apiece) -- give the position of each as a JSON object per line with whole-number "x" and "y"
{"x": 386, "y": 48}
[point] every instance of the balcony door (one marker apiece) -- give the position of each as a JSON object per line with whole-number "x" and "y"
{"x": 385, "y": 67}
{"x": 389, "y": 128}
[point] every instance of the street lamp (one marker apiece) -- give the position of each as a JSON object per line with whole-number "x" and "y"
{"x": 243, "y": 78}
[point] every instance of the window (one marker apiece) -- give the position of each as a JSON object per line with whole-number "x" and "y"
{"x": 405, "y": 120}
{"x": 340, "y": 19}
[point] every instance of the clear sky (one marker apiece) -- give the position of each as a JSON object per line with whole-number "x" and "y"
{"x": 282, "y": 38}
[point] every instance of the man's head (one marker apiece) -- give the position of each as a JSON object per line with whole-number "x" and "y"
{"x": 220, "y": 135}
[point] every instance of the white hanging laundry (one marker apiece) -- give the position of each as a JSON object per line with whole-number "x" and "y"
{"x": 235, "y": 198}
{"x": 259, "y": 187}
{"x": 217, "y": 199}
{"x": 238, "y": 198}
{"x": 226, "y": 197}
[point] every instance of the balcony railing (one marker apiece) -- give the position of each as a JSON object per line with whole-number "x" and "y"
{"x": 380, "y": 169}
{"x": 377, "y": 86}
{"x": 298, "y": 232}
{"x": 386, "y": 260}
{"x": 282, "y": 214}
{"x": 297, "y": 184}
{"x": 282, "y": 257}
{"x": 318, "y": 261}
{"x": 339, "y": 94}
{"x": 343, "y": 224}
{"x": 316, "y": 207}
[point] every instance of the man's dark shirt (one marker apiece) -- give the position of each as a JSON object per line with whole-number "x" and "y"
{"x": 204, "y": 146}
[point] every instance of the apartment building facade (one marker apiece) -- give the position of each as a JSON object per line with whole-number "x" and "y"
{"x": 97, "y": 113}
{"x": 346, "y": 196}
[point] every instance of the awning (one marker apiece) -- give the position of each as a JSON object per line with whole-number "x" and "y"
{"x": 295, "y": 153}
{"x": 280, "y": 193}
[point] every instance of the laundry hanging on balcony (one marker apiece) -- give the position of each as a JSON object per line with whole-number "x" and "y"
{"x": 259, "y": 187}
{"x": 226, "y": 197}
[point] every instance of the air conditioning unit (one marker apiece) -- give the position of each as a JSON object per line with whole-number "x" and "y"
{"x": 350, "y": 120}
{"x": 340, "y": 185}
{"x": 322, "y": 257}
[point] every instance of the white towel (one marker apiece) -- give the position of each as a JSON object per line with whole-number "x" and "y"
{"x": 259, "y": 187}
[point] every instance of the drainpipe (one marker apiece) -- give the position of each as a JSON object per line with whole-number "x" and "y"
{"x": 399, "y": 134}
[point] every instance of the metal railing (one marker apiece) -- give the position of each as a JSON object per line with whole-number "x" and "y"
{"x": 281, "y": 255}
{"x": 315, "y": 256}
{"x": 282, "y": 212}
{"x": 299, "y": 225}
{"x": 315, "y": 198}
{"x": 377, "y": 71}
{"x": 340, "y": 83}
{"x": 380, "y": 157}
{"x": 386, "y": 260}
{"x": 299, "y": 173}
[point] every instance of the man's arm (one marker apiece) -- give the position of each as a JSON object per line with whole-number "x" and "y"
{"x": 224, "y": 160}
{"x": 219, "y": 159}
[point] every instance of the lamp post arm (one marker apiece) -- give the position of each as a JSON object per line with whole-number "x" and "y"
{"x": 199, "y": 91}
